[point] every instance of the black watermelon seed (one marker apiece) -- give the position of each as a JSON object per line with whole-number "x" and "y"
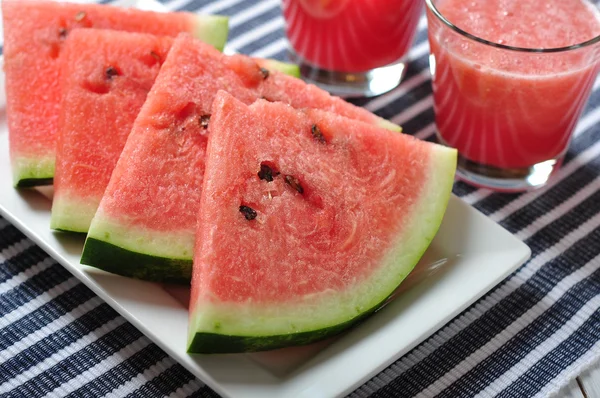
{"x": 317, "y": 134}
{"x": 80, "y": 16}
{"x": 248, "y": 212}
{"x": 294, "y": 183}
{"x": 267, "y": 173}
{"x": 111, "y": 72}
{"x": 265, "y": 72}
{"x": 204, "y": 119}
{"x": 62, "y": 33}
{"x": 155, "y": 56}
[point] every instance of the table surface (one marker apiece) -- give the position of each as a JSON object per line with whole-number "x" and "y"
{"x": 531, "y": 335}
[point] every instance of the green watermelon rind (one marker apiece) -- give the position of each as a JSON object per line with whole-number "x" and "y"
{"x": 226, "y": 344}
{"x": 386, "y": 124}
{"x": 31, "y": 172}
{"x": 212, "y": 29}
{"x": 118, "y": 260}
{"x": 138, "y": 252}
{"x": 283, "y": 67}
{"x": 265, "y": 327}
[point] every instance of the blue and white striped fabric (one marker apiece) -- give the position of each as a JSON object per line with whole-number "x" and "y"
{"x": 529, "y": 336}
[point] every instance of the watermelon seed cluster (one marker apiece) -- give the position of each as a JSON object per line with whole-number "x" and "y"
{"x": 80, "y": 21}
{"x": 268, "y": 173}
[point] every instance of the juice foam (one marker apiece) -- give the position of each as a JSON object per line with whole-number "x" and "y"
{"x": 526, "y": 24}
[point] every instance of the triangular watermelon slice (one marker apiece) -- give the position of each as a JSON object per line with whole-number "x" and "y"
{"x": 146, "y": 221}
{"x": 106, "y": 77}
{"x": 308, "y": 222}
{"x": 34, "y": 32}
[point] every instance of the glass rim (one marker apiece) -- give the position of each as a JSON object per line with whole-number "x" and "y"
{"x": 468, "y": 35}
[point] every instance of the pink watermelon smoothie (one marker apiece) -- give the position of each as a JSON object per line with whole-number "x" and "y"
{"x": 302, "y": 250}
{"x": 149, "y": 209}
{"x": 106, "y": 77}
{"x": 512, "y": 109}
{"x": 34, "y": 33}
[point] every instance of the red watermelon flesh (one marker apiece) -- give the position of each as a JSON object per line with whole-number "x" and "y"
{"x": 34, "y": 33}
{"x": 106, "y": 77}
{"x": 307, "y": 222}
{"x": 148, "y": 211}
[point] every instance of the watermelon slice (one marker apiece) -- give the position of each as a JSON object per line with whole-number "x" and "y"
{"x": 146, "y": 221}
{"x": 308, "y": 221}
{"x": 34, "y": 32}
{"x": 106, "y": 77}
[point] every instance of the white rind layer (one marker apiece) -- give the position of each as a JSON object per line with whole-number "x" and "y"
{"x": 35, "y": 168}
{"x": 173, "y": 244}
{"x": 212, "y": 29}
{"x": 70, "y": 214}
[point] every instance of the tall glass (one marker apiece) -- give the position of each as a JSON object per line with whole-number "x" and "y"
{"x": 351, "y": 47}
{"x": 509, "y": 111}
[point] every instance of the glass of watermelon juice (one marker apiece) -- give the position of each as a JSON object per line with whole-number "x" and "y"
{"x": 510, "y": 79}
{"x": 351, "y": 48}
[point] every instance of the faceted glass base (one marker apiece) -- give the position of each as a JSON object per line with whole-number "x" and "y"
{"x": 352, "y": 84}
{"x": 505, "y": 179}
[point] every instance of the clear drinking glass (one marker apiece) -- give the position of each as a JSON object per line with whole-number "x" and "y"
{"x": 351, "y": 47}
{"x": 509, "y": 111}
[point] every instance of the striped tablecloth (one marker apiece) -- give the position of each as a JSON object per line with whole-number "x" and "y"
{"x": 527, "y": 337}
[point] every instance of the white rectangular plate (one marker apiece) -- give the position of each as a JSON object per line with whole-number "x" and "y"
{"x": 477, "y": 253}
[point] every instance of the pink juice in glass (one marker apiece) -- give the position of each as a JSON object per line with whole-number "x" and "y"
{"x": 351, "y": 38}
{"x": 511, "y": 109}
{"x": 351, "y": 35}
